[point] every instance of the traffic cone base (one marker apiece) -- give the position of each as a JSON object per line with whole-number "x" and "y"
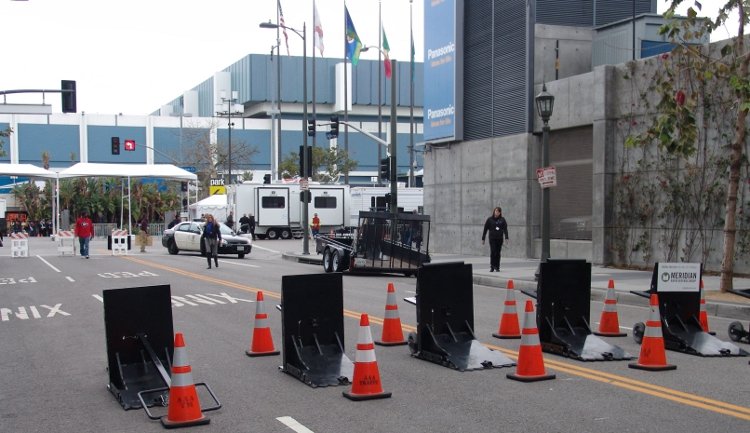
{"x": 262, "y": 343}
{"x": 506, "y": 337}
{"x": 397, "y": 343}
{"x": 652, "y": 367}
{"x": 170, "y": 424}
{"x": 392, "y": 334}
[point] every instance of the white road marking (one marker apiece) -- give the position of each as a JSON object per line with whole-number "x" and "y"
{"x": 48, "y": 264}
{"x": 231, "y": 262}
{"x": 266, "y": 249}
{"x": 98, "y": 298}
{"x": 293, "y": 424}
{"x": 70, "y": 279}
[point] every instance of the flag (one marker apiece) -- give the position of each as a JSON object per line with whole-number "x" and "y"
{"x": 318, "y": 34}
{"x": 282, "y": 24}
{"x": 386, "y": 60}
{"x": 353, "y": 44}
{"x": 698, "y": 5}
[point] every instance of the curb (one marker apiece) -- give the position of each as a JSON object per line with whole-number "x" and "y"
{"x": 716, "y": 309}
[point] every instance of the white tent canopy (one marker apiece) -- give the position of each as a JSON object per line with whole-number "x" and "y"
{"x": 215, "y": 204}
{"x": 163, "y": 171}
{"x": 25, "y": 170}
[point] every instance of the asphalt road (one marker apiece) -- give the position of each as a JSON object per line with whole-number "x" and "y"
{"x": 53, "y": 358}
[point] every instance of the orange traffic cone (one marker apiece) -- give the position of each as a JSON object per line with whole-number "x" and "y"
{"x": 609, "y": 324}
{"x": 184, "y": 408}
{"x": 530, "y": 367}
{"x": 366, "y": 384}
{"x": 262, "y": 344}
{"x": 653, "y": 356}
{"x": 392, "y": 334}
{"x": 703, "y": 315}
{"x": 508, "y": 327}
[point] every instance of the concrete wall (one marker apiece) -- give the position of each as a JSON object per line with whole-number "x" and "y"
{"x": 467, "y": 180}
{"x": 568, "y": 46}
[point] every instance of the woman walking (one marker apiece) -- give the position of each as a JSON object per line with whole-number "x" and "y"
{"x": 211, "y": 237}
{"x": 497, "y": 226}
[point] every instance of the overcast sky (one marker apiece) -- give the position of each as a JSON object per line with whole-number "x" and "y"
{"x": 133, "y": 56}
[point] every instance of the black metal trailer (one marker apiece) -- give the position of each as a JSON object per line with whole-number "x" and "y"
{"x": 383, "y": 242}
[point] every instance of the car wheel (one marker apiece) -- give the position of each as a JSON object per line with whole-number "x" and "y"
{"x": 271, "y": 234}
{"x": 336, "y": 261}
{"x": 241, "y": 255}
{"x": 172, "y": 248}
{"x": 736, "y": 331}
{"x": 286, "y": 234}
{"x": 327, "y": 265}
{"x": 638, "y": 330}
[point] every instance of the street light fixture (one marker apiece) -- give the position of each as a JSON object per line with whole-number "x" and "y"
{"x": 545, "y": 102}
{"x": 305, "y": 162}
{"x": 232, "y": 108}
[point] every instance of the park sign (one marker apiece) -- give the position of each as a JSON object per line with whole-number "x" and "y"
{"x": 217, "y": 187}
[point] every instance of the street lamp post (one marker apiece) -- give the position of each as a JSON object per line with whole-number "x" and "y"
{"x": 305, "y": 162}
{"x": 229, "y": 100}
{"x": 544, "y": 105}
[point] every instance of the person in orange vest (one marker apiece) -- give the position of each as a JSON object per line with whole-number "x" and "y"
{"x": 315, "y": 226}
{"x": 84, "y": 229}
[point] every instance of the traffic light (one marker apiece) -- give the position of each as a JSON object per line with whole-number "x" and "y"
{"x": 115, "y": 145}
{"x": 305, "y": 171}
{"x": 130, "y": 145}
{"x": 385, "y": 168}
{"x": 305, "y": 196}
{"x": 266, "y": 179}
{"x": 334, "y": 127}
{"x": 310, "y": 127}
{"x": 68, "y": 96}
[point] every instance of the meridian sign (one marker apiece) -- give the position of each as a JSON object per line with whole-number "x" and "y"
{"x": 443, "y": 70}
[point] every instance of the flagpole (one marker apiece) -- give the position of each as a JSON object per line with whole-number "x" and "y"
{"x": 411, "y": 100}
{"x": 314, "y": 111}
{"x": 278, "y": 93}
{"x": 346, "y": 99}
{"x": 380, "y": 81}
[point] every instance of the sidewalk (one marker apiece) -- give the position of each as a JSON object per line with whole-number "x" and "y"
{"x": 522, "y": 272}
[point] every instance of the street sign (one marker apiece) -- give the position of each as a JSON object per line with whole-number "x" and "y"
{"x": 130, "y": 145}
{"x": 189, "y": 168}
{"x": 304, "y": 185}
{"x": 547, "y": 177}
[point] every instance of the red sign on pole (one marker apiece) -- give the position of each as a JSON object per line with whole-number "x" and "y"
{"x": 130, "y": 145}
{"x": 546, "y": 176}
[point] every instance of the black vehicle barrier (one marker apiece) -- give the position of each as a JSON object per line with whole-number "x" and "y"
{"x": 140, "y": 346}
{"x": 678, "y": 287}
{"x": 445, "y": 320}
{"x": 138, "y": 328}
{"x": 313, "y": 329}
{"x": 563, "y": 309}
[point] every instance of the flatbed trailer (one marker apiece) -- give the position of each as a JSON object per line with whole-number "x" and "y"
{"x": 382, "y": 243}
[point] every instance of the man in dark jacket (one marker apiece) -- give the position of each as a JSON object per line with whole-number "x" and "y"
{"x": 498, "y": 227}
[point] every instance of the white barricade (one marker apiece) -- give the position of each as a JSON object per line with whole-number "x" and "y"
{"x": 119, "y": 242}
{"x": 19, "y": 245}
{"x": 66, "y": 242}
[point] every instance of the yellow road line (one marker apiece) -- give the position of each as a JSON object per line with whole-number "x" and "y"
{"x": 623, "y": 382}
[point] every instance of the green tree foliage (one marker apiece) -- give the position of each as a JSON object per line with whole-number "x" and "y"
{"x": 703, "y": 96}
{"x": 4, "y": 133}
{"x": 328, "y": 165}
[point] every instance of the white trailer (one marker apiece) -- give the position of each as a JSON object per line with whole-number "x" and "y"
{"x": 278, "y": 210}
{"x": 372, "y": 198}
